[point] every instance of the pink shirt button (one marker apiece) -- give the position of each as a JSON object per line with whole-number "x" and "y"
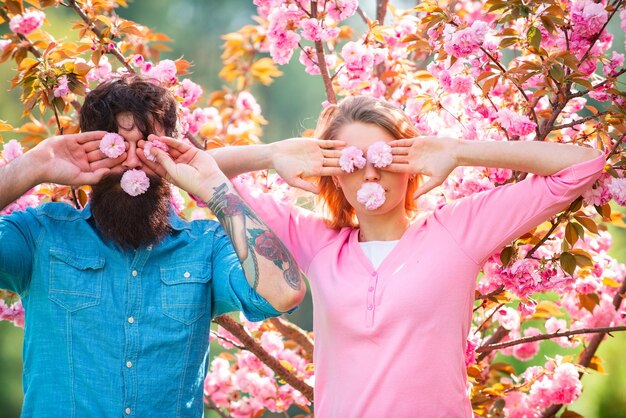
{"x": 371, "y": 288}
{"x": 370, "y": 307}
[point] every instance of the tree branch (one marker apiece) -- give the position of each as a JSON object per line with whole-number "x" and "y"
{"x": 590, "y": 351}
{"x": 294, "y": 333}
{"x": 497, "y": 336}
{"x": 321, "y": 61}
{"x": 255, "y": 348}
{"x": 597, "y": 35}
{"x": 541, "y": 337}
{"x": 579, "y": 121}
{"x": 115, "y": 51}
{"x": 381, "y": 11}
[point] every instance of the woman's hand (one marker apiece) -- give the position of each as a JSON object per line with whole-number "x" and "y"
{"x": 298, "y": 158}
{"x": 432, "y": 156}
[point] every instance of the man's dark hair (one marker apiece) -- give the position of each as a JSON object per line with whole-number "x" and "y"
{"x": 150, "y": 104}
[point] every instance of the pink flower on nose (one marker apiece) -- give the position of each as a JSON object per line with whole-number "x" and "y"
{"x": 351, "y": 157}
{"x": 135, "y": 182}
{"x": 379, "y": 154}
{"x": 371, "y": 195}
{"x": 112, "y": 145}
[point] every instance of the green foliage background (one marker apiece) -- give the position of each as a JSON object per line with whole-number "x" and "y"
{"x": 290, "y": 105}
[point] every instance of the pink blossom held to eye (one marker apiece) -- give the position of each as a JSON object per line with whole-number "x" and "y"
{"x": 135, "y": 182}
{"x": 351, "y": 158}
{"x": 379, "y": 154}
{"x": 147, "y": 148}
{"x": 112, "y": 145}
{"x": 371, "y": 195}
{"x": 27, "y": 22}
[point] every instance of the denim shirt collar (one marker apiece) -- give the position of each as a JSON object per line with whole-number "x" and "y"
{"x": 176, "y": 222}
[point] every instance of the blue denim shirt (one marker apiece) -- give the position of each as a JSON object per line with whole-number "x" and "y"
{"x": 118, "y": 333}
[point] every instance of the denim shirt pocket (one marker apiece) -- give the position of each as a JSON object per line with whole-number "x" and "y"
{"x": 75, "y": 281}
{"x": 185, "y": 291}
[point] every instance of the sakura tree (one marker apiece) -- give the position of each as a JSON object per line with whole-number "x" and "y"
{"x": 491, "y": 70}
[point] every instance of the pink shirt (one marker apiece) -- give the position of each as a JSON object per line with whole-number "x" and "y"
{"x": 390, "y": 342}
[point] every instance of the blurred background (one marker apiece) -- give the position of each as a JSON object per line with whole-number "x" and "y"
{"x": 291, "y": 104}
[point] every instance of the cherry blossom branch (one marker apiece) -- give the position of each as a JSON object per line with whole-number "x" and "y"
{"x": 210, "y": 405}
{"x": 321, "y": 61}
{"x": 490, "y": 294}
{"x": 555, "y": 225}
{"x": 597, "y": 86}
{"x": 115, "y": 51}
{"x": 541, "y": 337}
{"x": 587, "y": 355}
{"x": 361, "y": 13}
{"x": 496, "y": 337}
{"x": 255, "y": 348}
{"x": 23, "y": 38}
{"x": 597, "y": 35}
{"x": 381, "y": 10}
{"x": 294, "y": 333}
{"x": 579, "y": 121}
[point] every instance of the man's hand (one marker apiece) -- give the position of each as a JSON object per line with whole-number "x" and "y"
{"x": 72, "y": 160}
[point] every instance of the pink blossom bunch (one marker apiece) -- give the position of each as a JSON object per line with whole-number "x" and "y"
{"x": 112, "y": 145}
{"x": 135, "y": 182}
{"x": 341, "y": 9}
{"x": 28, "y": 200}
{"x": 11, "y": 150}
{"x": 599, "y": 194}
{"x": 281, "y": 34}
{"x": 588, "y": 17}
{"x": 164, "y": 72}
{"x": 62, "y": 88}
{"x": 562, "y": 387}
{"x": 617, "y": 188}
{"x": 351, "y": 158}
{"x": 371, "y": 195}
{"x": 189, "y": 92}
{"x": 27, "y": 22}
{"x": 102, "y": 71}
{"x": 611, "y": 66}
{"x": 13, "y": 313}
{"x": 358, "y": 59}
{"x": 514, "y": 123}
{"x": 147, "y": 148}
{"x": 379, "y": 154}
{"x": 464, "y": 42}
{"x": 554, "y": 325}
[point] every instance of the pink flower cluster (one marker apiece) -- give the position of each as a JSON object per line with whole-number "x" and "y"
{"x": 562, "y": 387}
{"x": 164, "y": 72}
{"x": 62, "y": 88}
{"x": 11, "y": 150}
{"x": 13, "y": 313}
{"x": 371, "y": 195}
{"x": 189, "y": 92}
{"x": 379, "y": 154}
{"x": 112, "y": 145}
{"x": 351, "y": 159}
{"x": 244, "y": 385}
{"x": 588, "y": 17}
{"x": 27, "y": 22}
{"x": 135, "y": 182}
{"x": 464, "y": 42}
{"x": 514, "y": 123}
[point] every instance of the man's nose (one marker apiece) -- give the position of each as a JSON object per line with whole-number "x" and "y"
{"x": 132, "y": 160}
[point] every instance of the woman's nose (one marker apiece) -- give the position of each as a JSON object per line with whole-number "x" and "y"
{"x": 371, "y": 173}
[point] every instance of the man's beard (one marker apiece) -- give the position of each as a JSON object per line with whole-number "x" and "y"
{"x": 132, "y": 222}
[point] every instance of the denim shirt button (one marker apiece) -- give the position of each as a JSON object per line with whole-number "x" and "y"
{"x": 134, "y": 273}
{"x": 127, "y": 411}
{"x": 186, "y": 275}
{"x": 129, "y": 364}
{"x": 131, "y": 320}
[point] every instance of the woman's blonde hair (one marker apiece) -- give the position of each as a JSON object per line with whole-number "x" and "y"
{"x": 368, "y": 110}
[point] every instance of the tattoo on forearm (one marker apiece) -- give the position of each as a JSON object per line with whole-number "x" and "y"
{"x": 251, "y": 237}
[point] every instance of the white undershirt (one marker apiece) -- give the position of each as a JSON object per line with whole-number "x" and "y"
{"x": 376, "y": 251}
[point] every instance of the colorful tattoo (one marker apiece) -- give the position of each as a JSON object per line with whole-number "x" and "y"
{"x": 251, "y": 237}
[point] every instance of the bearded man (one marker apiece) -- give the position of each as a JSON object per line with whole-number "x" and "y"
{"x": 119, "y": 295}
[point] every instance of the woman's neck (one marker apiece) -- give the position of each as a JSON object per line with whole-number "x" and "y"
{"x": 387, "y": 227}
